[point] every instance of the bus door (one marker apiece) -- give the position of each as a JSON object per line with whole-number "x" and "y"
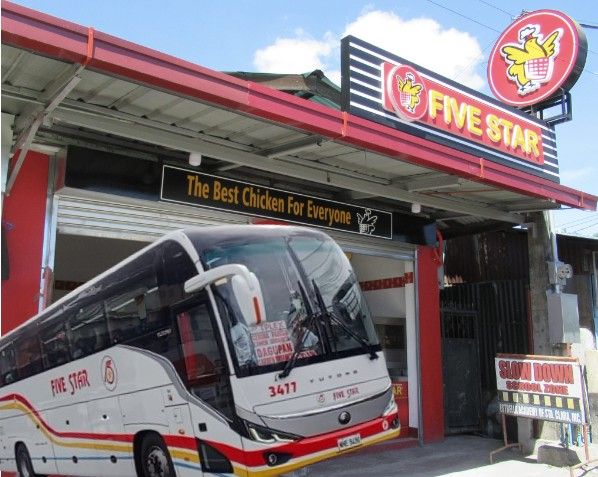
{"x": 205, "y": 373}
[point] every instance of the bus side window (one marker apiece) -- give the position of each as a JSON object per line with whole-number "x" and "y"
{"x": 29, "y": 357}
{"x": 126, "y": 313}
{"x": 55, "y": 346}
{"x": 200, "y": 351}
{"x": 88, "y": 331}
{"x": 8, "y": 368}
{"x": 133, "y": 307}
{"x": 175, "y": 269}
{"x": 205, "y": 371}
{"x": 155, "y": 316}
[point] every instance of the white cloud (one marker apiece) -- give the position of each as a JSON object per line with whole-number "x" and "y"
{"x": 450, "y": 52}
{"x": 295, "y": 55}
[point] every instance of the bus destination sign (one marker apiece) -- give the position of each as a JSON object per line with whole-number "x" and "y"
{"x": 185, "y": 186}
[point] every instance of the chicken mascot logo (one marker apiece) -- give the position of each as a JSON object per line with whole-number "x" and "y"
{"x": 531, "y": 62}
{"x": 538, "y": 57}
{"x": 409, "y": 91}
{"x": 405, "y": 92}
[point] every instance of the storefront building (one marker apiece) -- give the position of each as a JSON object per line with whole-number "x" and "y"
{"x": 114, "y": 145}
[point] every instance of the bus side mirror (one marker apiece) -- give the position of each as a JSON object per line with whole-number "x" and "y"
{"x": 246, "y": 288}
{"x": 250, "y": 299}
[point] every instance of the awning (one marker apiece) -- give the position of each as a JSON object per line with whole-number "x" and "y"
{"x": 68, "y": 84}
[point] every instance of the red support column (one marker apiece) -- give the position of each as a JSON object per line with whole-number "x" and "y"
{"x": 23, "y": 216}
{"x": 430, "y": 345}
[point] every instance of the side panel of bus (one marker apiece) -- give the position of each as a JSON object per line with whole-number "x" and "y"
{"x": 114, "y": 355}
{"x": 81, "y": 420}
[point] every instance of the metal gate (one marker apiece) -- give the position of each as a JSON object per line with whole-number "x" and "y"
{"x": 462, "y": 394}
{"x": 478, "y": 321}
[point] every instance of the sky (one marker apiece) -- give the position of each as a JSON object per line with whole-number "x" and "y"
{"x": 450, "y": 37}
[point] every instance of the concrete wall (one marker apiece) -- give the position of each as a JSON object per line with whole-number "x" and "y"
{"x": 592, "y": 374}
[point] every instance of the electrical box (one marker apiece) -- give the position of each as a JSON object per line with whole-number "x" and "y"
{"x": 559, "y": 272}
{"x": 563, "y": 317}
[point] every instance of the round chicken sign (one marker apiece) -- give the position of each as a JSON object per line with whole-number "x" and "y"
{"x": 536, "y": 56}
{"x": 407, "y": 92}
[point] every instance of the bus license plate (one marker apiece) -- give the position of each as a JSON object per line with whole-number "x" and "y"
{"x": 348, "y": 442}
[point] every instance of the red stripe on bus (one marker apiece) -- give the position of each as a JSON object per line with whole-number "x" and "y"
{"x": 300, "y": 448}
{"x": 303, "y": 447}
{"x": 78, "y": 435}
{"x": 182, "y": 442}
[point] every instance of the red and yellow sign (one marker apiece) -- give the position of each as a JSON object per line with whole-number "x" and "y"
{"x": 412, "y": 95}
{"x": 536, "y": 55}
{"x": 541, "y": 387}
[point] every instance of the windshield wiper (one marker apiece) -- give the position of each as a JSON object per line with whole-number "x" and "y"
{"x": 309, "y": 320}
{"x": 365, "y": 344}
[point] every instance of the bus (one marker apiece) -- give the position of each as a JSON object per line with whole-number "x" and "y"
{"x": 232, "y": 350}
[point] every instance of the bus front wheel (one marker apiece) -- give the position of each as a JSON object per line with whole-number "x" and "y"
{"x": 155, "y": 459}
{"x": 24, "y": 465}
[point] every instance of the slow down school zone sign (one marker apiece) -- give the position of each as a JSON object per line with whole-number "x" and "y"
{"x": 539, "y": 387}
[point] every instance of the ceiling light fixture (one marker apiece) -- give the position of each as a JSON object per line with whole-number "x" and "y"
{"x": 195, "y": 159}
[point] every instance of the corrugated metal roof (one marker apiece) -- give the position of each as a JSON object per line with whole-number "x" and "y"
{"x": 109, "y": 108}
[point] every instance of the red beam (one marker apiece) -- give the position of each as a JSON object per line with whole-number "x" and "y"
{"x": 29, "y": 29}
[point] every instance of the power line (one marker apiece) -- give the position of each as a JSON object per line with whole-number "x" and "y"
{"x": 586, "y": 70}
{"x": 511, "y": 16}
{"x": 465, "y": 16}
{"x": 577, "y": 221}
{"x": 474, "y": 61}
{"x": 588, "y": 227}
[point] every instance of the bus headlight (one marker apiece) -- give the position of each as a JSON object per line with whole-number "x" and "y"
{"x": 391, "y": 407}
{"x": 268, "y": 436}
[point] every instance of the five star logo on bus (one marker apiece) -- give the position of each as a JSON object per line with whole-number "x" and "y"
{"x": 109, "y": 376}
{"x": 537, "y": 56}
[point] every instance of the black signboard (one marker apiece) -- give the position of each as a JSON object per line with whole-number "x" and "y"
{"x": 365, "y": 93}
{"x": 189, "y": 187}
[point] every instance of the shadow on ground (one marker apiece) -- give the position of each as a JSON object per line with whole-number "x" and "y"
{"x": 457, "y": 455}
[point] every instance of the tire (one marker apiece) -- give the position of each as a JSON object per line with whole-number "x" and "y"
{"x": 24, "y": 466}
{"x": 154, "y": 458}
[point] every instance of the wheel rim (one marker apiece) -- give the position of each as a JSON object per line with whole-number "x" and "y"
{"x": 156, "y": 463}
{"x": 23, "y": 467}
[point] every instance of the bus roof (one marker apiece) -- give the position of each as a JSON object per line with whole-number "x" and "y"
{"x": 203, "y": 236}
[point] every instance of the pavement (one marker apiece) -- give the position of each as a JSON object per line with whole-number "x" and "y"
{"x": 463, "y": 456}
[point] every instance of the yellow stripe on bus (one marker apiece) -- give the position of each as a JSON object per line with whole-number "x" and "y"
{"x": 308, "y": 460}
{"x": 191, "y": 456}
{"x": 186, "y": 455}
{"x": 63, "y": 443}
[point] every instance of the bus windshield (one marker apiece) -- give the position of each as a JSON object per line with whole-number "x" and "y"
{"x": 314, "y": 307}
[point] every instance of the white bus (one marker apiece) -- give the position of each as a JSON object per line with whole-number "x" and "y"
{"x": 243, "y": 350}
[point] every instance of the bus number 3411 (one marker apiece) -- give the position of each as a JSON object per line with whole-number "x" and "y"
{"x": 283, "y": 389}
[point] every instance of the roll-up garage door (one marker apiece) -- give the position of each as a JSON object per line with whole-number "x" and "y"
{"x": 105, "y": 215}
{"x": 96, "y": 214}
